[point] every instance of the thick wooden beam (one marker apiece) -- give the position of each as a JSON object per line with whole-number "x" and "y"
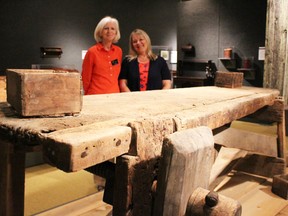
{"x": 261, "y": 165}
{"x": 271, "y": 114}
{"x": 73, "y": 150}
{"x": 249, "y": 141}
{"x": 276, "y": 47}
{"x": 187, "y": 159}
{"x": 123, "y": 189}
{"x": 226, "y": 159}
{"x": 148, "y": 136}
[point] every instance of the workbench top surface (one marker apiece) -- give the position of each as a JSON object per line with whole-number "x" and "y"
{"x": 186, "y": 107}
{"x": 127, "y": 107}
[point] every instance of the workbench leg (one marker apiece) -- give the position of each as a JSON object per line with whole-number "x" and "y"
{"x": 123, "y": 188}
{"x": 281, "y": 133}
{"x": 275, "y": 113}
{"x": 12, "y": 178}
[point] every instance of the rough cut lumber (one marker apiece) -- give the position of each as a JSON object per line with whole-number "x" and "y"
{"x": 249, "y": 141}
{"x": 150, "y": 132}
{"x": 225, "y": 161}
{"x": 220, "y": 113}
{"x": 124, "y": 184}
{"x": 186, "y": 108}
{"x": 275, "y": 113}
{"x": 261, "y": 165}
{"x": 276, "y": 45}
{"x": 187, "y": 159}
{"x": 87, "y": 142}
{"x": 272, "y": 113}
{"x": 44, "y": 92}
{"x": 229, "y": 79}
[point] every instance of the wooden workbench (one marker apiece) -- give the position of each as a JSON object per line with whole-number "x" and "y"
{"x": 114, "y": 124}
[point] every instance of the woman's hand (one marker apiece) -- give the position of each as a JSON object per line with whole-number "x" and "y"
{"x": 123, "y": 85}
{"x": 166, "y": 84}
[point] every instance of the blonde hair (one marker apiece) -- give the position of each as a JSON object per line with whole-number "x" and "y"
{"x": 100, "y": 26}
{"x": 132, "y": 52}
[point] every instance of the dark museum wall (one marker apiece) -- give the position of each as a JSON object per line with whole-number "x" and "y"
{"x": 211, "y": 26}
{"x": 69, "y": 24}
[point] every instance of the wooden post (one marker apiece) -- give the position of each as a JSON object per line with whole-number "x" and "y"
{"x": 122, "y": 202}
{"x": 276, "y": 53}
{"x": 187, "y": 159}
{"x": 275, "y": 113}
{"x": 12, "y": 178}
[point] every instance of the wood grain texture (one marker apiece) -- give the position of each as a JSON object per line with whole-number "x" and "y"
{"x": 249, "y": 141}
{"x": 44, "y": 92}
{"x": 123, "y": 193}
{"x": 81, "y": 148}
{"x": 261, "y": 165}
{"x": 197, "y": 204}
{"x": 254, "y": 193}
{"x": 165, "y": 111}
{"x": 229, "y": 79}
{"x": 276, "y": 57}
{"x": 187, "y": 159}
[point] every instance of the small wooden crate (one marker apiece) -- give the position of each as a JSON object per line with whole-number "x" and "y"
{"x": 229, "y": 79}
{"x": 44, "y": 92}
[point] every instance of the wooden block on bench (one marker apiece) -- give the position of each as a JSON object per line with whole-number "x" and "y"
{"x": 229, "y": 79}
{"x": 44, "y": 92}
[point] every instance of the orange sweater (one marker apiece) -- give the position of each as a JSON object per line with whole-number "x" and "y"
{"x": 100, "y": 70}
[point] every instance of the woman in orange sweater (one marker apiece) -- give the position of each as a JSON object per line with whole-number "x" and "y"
{"x": 102, "y": 62}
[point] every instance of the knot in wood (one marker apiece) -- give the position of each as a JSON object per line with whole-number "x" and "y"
{"x": 118, "y": 143}
{"x": 84, "y": 154}
{"x": 211, "y": 199}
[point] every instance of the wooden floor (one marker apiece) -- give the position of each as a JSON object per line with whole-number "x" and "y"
{"x": 87, "y": 206}
{"x": 253, "y": 192}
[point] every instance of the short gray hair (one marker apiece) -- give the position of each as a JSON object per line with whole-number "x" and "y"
{"x": 100, "y": 26}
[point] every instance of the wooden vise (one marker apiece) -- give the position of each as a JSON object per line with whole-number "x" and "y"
{"x": 184, "y": 172}
{"x": 178, "y": 181}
